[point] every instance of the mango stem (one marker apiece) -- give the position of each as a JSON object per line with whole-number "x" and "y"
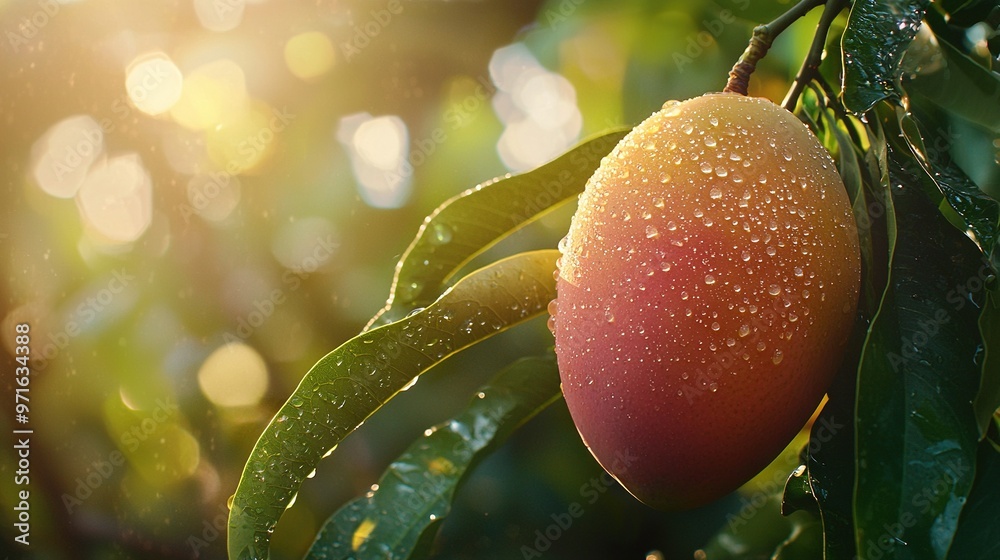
{"x": 810, "y": 66}
{"x": 760, "y": 42}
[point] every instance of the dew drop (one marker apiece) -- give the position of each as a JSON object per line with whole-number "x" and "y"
{"x": 787, "y": 156}
{"x": 798, "y": 272}
{"x": 713, "y": 387}
{"x": 771, "y": 251}
{"x": 774, "y": 290}
{"x": 706, "y": 167}
{"x": 735, "y": 157}
{"x": 665, "y": 266}
{"x": 716, "y": 326}
{"x": 664, "y": 178}
{"x": 714, "y": 121}
{"x": 709, "y": 279}
{"x": 777, "y": 357}
{"x": 671, "y": 225}
{"x": 684, "y": 296}
{"x": 730, "y": 342}
{"x": 710, "y": 141}
{"x": 716, "y": 193}
{"x": 608, "y": 315}
{"x": 659, "y": 202}
{"x": 721, "y": 171}
{"x": 672, "y": 108}
{"x": 745, "y": 256}
{"x": 744, "y": 330}
{"x": 688, "y": 128}
{"x": 651, "y": 232}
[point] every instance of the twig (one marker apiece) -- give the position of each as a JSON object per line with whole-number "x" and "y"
{"x": 760, "y": 42}
{"x": 810, "y": 66}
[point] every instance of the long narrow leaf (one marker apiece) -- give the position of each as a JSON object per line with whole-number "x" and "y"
{"x": 348, "y": 385}
{"x": 979, "y": 212}
{"x": 917, "y": 376}
{"x": 471, "y": 222}
{"x": 400, "y": 518}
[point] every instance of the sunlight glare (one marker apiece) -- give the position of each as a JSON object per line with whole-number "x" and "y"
{"x": 234, "y": 375}
{"x": 116, "y": 199}
{"x": 309, "y": 55}
{"x": 154, "y": 83}
{"x": 64, "y": 154}
{"x": 378, "y": 148}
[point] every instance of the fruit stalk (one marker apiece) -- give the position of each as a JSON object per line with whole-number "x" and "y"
{"x": 760, "y": 42}
{"x": 810, "y": 66}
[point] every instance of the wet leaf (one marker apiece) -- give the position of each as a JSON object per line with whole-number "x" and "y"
{"x": 471, "y": 222}
{"x": 960, "y": 86}
{"x": 878, "y": 33}
{"x": 980, "y": 213}
{"x": 349, "y": 384}
{"x": 414, "y": 495}
{"x": 916, "y": 434}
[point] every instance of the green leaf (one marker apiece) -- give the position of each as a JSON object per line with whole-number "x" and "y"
{"x": 916, "y": 434}
{"x": 414, "y": 495}
{"x": 978, "y": 524}
{"x": 878, "y": 33}
{"x": 961, "y": 87}
{"x": 349, "y": 384}
{"x": 980, "y": 213}
{"x": 471, "y": 222}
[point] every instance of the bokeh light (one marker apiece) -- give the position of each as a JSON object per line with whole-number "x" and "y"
{"x": 309, "y": 55}
{"x": 213, "y": 94}
{"x": 63, "y": 155}
{"x": 234, "y": 375}
{"x": 538, "y": 107}
{"x": 378, "y": 148}
{"x": 154, "y": 83}
{"x": 116, "y": 199}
